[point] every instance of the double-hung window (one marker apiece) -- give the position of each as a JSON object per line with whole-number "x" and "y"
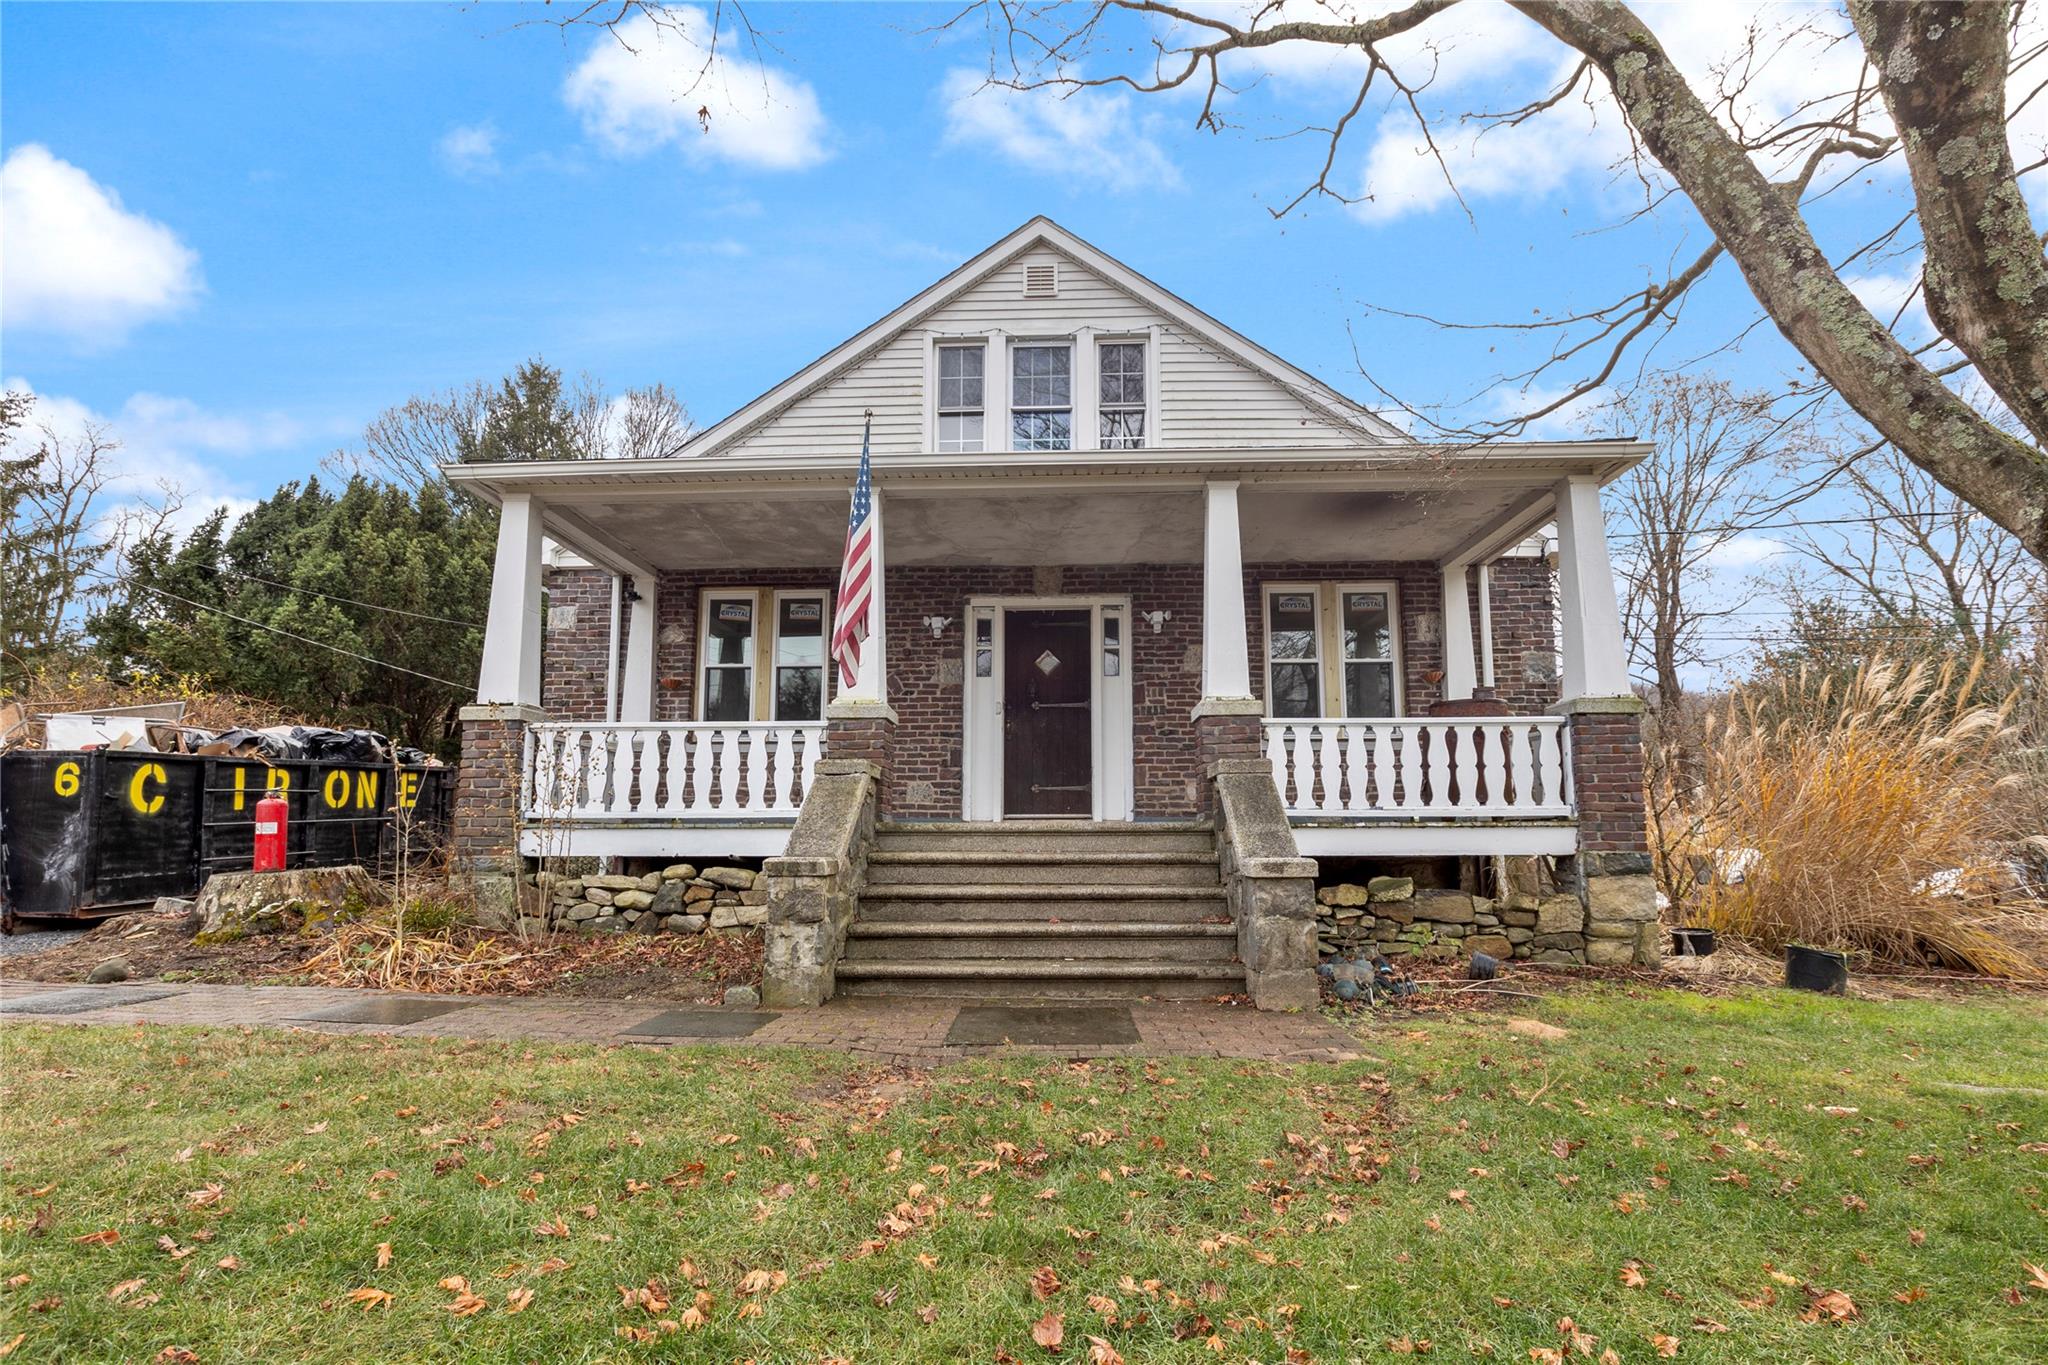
{"x": 961, "y": 405}
{"x": 762, "y": 655}
{"x": 1331, "y": 650}
{"x": 1042, "y": 396}
{"x": 1365, "y": 619}
{"x": 1294, "y": 669}
{"x": 1121, "y": 394}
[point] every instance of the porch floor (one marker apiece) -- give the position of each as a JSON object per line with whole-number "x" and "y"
{"x": 899, "y": 1032}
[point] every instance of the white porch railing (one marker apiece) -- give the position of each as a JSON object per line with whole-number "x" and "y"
{"x": 1462, "y": 766}
{"x": 678, "y": 772}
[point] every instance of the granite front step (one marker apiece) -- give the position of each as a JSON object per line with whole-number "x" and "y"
{"x": 1064, "y": 979}
{"x": 1121, "y": 867}
{"x": 1045, "y": 836}
{"x": 1036, "y": 940}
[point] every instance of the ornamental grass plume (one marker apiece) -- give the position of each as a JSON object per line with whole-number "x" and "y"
{"x": 1872, "y": 815}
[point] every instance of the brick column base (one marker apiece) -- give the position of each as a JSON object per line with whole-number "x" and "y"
{"x": 1226, "y": 728}
{"x": 865, "y": 731}
{"x": 1613, "y": 869}
{"x": 485, "y": 837}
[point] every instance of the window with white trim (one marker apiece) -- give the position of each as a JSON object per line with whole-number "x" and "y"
{"x": 961, "y": 410}
{"x": 1041, "y": 396}
{"x": 1365, "y": 618}
{"x": 1332, "y": 649}
{"x": 1121, "y": 394}
{"x": 761, "y": 655}
{"x": 1294, "y": 673}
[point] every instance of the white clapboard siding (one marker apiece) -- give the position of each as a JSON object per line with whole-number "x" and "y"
{"x": 1206, "y": 398}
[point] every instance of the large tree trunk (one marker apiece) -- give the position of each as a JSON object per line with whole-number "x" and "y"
{"x": 1941, "y": 70}
{"x": 1761, "y": 227}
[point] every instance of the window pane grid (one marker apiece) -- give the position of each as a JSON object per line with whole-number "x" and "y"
{"x": 1120, "y": 391}
{"x": 962, "y": 391}
{"x": 1041, "y": 397}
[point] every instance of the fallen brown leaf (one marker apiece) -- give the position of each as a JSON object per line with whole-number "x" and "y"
{"x": 1049, "y": 1331}
{"x": 370, "y": 1298}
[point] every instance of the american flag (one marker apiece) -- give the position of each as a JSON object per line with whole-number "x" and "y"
{"x": 855, "y": 573}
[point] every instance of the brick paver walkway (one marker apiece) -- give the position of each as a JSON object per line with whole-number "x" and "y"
{"x": 911, "y": 1032}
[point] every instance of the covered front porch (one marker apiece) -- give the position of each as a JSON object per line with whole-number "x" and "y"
{"x": 1194, "y": 605}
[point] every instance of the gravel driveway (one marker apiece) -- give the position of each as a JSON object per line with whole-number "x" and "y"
{"x": 32, "y": 937}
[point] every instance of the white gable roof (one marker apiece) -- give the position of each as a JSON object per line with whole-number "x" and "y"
{"x": 1216, "y": 388}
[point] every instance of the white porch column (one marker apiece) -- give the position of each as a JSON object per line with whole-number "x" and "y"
{"x": 636, "y": 702}
{"x": 871, "y": 681}
{"x": 1459, "y": 674}
{"x": 1595, "y": 664}
{"x": 1485, "y": 625}
{"x": 1226, "y": 656}
{"x": 510, "y": 674}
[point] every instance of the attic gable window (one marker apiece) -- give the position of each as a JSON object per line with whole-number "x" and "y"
{"x": 1042, "y": 396}
{"x": 961, "y": 406}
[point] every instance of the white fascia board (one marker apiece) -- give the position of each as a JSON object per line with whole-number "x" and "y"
{"x": 1040, "y": 231}
{"x": 1392, "y": 466}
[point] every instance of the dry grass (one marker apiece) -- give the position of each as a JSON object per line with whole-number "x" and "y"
{"x": 86, "y": 686}
{"x": 1857, "y": 809}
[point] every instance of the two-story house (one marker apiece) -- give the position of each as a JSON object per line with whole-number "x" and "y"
{"x": 1161, "y": 619}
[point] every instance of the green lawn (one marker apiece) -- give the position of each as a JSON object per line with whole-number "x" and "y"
{"x": 1470, "y": 1190}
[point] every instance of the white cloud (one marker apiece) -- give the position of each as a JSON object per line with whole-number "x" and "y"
{"x": 1742, "y": 552}
{"x": 73, "y": 261}
{"x": 1895, "y": 293}
{"x": 470, "y": 149}
{"x": 655, "y": 85}
{"x": 167, "y": 443}
{"x": 1088, "y": 134}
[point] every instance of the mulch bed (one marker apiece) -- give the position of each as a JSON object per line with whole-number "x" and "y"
{"x": 607, "y": 966}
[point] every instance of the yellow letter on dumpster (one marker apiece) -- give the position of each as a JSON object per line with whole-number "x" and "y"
{"x": 152, "y": 802}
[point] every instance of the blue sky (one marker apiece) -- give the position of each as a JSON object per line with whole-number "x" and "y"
{"x": 320, "y": 210}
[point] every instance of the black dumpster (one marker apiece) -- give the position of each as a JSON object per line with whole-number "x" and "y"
{"x": 86, "y": 831}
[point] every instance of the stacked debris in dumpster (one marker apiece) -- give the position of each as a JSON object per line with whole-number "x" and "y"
{"x": 107, "y": 809}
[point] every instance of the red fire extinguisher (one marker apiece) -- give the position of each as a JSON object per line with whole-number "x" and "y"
{"x": 271, "y": 815}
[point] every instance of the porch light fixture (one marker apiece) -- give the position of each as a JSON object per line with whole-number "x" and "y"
{"x": 1155, "y": 619}
{"x": 937, "y": 625}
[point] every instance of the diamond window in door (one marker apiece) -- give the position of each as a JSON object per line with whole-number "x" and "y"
{"x": 1047, "y": 662}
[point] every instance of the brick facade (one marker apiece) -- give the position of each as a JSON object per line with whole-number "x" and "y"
{"x": 485, "y": 829}
{"x": 926, "y": 674}
{"x": 573, "y": 664}
{"x": 1607, "y": 777}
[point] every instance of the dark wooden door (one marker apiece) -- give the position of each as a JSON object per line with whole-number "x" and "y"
{"x": 1048, "y": 719}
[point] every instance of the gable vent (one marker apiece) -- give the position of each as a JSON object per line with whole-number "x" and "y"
{"x": 1041, "y": 281}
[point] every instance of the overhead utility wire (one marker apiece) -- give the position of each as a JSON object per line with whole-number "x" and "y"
{"x": 290, "y": 635}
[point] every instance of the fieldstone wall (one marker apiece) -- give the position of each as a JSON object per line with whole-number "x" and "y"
{"x": 678, "y": 899}
{"x": 1393, "y": 917}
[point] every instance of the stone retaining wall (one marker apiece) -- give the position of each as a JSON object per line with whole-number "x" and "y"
{"x": 1391, "y": 916}
{"x": 678, "y": 899}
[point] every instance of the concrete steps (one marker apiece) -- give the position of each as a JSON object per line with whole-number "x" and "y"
{"x": 1044, "y": 910}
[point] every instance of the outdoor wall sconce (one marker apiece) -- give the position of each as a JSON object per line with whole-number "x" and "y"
{"x": 937, "y": 625}
{"x": 1155, "y": 619}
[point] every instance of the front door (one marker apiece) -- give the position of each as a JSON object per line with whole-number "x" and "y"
{"x": 1048, "y": 724}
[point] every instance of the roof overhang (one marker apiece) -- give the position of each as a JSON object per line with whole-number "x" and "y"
{"x": 1449, "y": 504}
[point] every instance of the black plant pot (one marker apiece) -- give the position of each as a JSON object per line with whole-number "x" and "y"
{"x": 1816, "y": 969}
{"x": 1692, "y": 941}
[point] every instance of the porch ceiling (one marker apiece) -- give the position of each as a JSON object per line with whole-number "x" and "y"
{"x": 692, "y": 529}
